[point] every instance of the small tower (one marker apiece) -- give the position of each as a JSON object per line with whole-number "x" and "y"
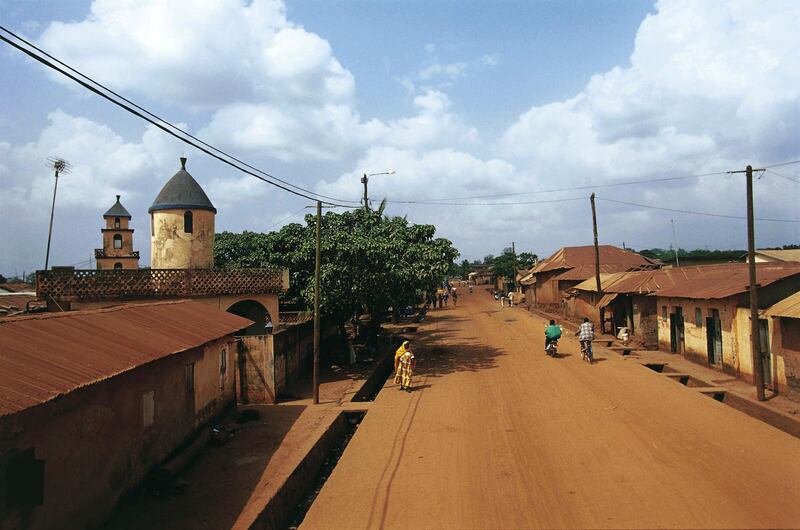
{"x": 117, "y": 251}
{"x": 182, "y": 225}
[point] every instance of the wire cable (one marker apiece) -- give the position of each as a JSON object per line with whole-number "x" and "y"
{"x": 783, "y": 176}
{"x": 486, "y": 203}
{"x": 782, "y": 164}
{"x": 709, "y": 214}
{"x": 163, "y": 124}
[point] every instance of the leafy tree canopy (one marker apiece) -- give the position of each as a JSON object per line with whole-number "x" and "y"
{"x": 369, "y": 261}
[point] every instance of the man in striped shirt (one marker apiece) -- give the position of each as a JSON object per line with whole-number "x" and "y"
{"x": 585, "y": 335}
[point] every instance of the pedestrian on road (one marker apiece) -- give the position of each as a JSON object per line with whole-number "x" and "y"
{"x": 502, "y": 300}
{"x": 455, "y": 298}
{"x": 585, "y": 335}
{"x": 440, "y": 297}
{"x": 397, "y": 355}
{"x": 511, "y": 299}
{"x": 407, "y": 363}
{"x": 446, "y": 297}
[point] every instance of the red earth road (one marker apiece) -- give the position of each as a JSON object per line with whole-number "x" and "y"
{"x": 498, "y": 435}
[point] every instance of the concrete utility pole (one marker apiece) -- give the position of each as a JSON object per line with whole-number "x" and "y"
{"x": 596, "y": 249}
{"x": 315, "y": 375}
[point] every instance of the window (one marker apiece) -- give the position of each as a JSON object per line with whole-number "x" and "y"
{"x": 664, "y": 312}
{"x": 148, "y": 408}
{"x": 117, "y": 241}
{"x": 24, "y": 480}
{"x": 189, "y": 375}
{"x": 698, "y": 317}
{"x": 116, "y": 222}
{"x": 118, "y": 266}
{"x": 152, "y": 225}
{"x": 188, "y": 222}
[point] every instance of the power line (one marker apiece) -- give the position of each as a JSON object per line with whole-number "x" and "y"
{"x": 286, "y": 218}
{"x": 709, "y": 214}
{"x": 782, "y": 164}
{"x": 162, "y": 123}
{"x": 572, "y": 188}
{"x": 486, "y": 203}
{"x": 783, "y": 176}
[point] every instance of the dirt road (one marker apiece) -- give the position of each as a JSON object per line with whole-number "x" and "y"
{"x": 498, "y": 435}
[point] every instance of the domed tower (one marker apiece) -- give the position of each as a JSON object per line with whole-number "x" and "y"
{"x": 117, "y": 251}
{"x": 182, "y": 225}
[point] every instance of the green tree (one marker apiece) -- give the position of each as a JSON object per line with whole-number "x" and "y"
{"x": 369, "y": 261}
{"x": 526, "y": 260}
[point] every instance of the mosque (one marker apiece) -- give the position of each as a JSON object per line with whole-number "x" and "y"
{"x": 182, "y": 220}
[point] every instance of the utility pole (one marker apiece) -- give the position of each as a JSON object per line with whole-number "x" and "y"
{"x": 315, "y": 375}
{"x": 596, "y": 249}
{"x": 514, "y": 252}
{"x": 364, "y": 181}
{"x": 755, "y": 334}
{"x": 675, "y": 243}
{"x": 59, "y": 165}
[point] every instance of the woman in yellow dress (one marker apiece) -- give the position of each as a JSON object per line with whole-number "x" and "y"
{"x": 399, "y": 366}
{"x": 407, "y": 363}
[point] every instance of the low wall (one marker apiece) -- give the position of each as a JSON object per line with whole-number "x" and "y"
{"x": 269, "y": 364}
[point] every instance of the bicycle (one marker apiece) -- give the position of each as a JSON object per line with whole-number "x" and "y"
{"x": 586, "y": 351}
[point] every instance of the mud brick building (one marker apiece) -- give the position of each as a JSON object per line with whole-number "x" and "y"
{"x": 90, "y": 401}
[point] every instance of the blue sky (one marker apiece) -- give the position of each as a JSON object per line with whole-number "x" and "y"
{"x": 460, "y": 98}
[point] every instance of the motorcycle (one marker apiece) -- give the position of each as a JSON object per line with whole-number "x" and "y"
{"x": 552, "y": 349}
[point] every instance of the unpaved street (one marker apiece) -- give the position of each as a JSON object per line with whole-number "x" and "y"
{"x": 498, "y": 435}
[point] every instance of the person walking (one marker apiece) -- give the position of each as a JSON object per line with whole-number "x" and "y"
{"x": 439, "y": 297}
{"x": 455, "y": 298}
{"x": 407, "y": 363}
{"x": 585, "y": 335}
{"x": 398, "y": 354}
{"x": 446, "y": 297}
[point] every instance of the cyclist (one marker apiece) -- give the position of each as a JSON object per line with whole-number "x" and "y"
{"x": 585, "y": 335}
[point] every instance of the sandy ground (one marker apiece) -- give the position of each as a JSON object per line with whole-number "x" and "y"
{"x": 498, "y": 435}
{"x": 230, "y": 485}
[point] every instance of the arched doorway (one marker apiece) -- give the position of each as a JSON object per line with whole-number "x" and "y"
{"x": 262, "y": 322}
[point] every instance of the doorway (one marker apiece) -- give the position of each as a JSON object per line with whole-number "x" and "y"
{"x": 714, "y": 338}
{"x": 676, "y": 336}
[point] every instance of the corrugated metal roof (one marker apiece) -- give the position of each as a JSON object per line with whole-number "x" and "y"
{"x": 788, "y": 307}
{"x": 606, "y": 299}
{"x": 781, "y": 255}
{"x": 582, "y": 272}
{"x": 570, "y": 257}
{"x": 16, "y": 287}
{"x": 49, "y": 354}
{"x": 701, "y": 282}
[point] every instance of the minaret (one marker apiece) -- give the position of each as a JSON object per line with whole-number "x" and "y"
{"x": 117, "y": 251}
{"x": 182, "y": 225}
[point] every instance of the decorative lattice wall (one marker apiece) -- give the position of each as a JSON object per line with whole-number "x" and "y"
{"x": 88, "y": 285}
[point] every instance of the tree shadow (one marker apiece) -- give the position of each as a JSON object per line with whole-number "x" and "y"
{"x": 219, "y": 482}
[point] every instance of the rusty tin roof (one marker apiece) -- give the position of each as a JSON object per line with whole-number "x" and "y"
{"x": 788, "y": 307}
{"x": 700, "y": 282}
{"x": 571, "y": 257}
{"x": 46, "y": 355}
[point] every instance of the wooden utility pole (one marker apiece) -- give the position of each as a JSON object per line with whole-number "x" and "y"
{"x": 596, "y": 249}
{"x": 315, "y": 375}
{"x": 755, "y": 339}
{"x": 514, "y": 251}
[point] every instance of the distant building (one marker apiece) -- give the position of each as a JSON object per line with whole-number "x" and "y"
{"x": 785, "y": 345}
{"x": 117, "y": 252}
{"x": 551, "y": 279}
{"x": 91, "y": 401}
{"x": 182, "y": 225}
{"x": 771, "y": 256}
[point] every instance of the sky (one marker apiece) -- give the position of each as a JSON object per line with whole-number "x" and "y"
{"x": 499, "y": 118}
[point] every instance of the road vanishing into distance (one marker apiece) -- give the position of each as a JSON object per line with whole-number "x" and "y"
{"x": 498, "y": 435}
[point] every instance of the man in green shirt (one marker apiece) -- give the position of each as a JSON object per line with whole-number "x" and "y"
{"x": 551, "y": 334}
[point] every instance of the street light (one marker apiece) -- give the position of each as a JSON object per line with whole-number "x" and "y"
{"x": 365, "y": 181}
{"x": 59, "y": 165}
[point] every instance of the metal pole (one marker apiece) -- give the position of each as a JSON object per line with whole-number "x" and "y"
{"x": 50, "y": 231}
{"x": 364, "y": 181}
{"x": 755, "y": 342}
{"x": 675, "y": 243}
{"x": 316, "y": 305}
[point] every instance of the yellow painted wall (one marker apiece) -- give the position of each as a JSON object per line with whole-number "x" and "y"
{"x": 696, "y": 346}
{"x": 172, "y": 248}
{"x": 123, "y": 222}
